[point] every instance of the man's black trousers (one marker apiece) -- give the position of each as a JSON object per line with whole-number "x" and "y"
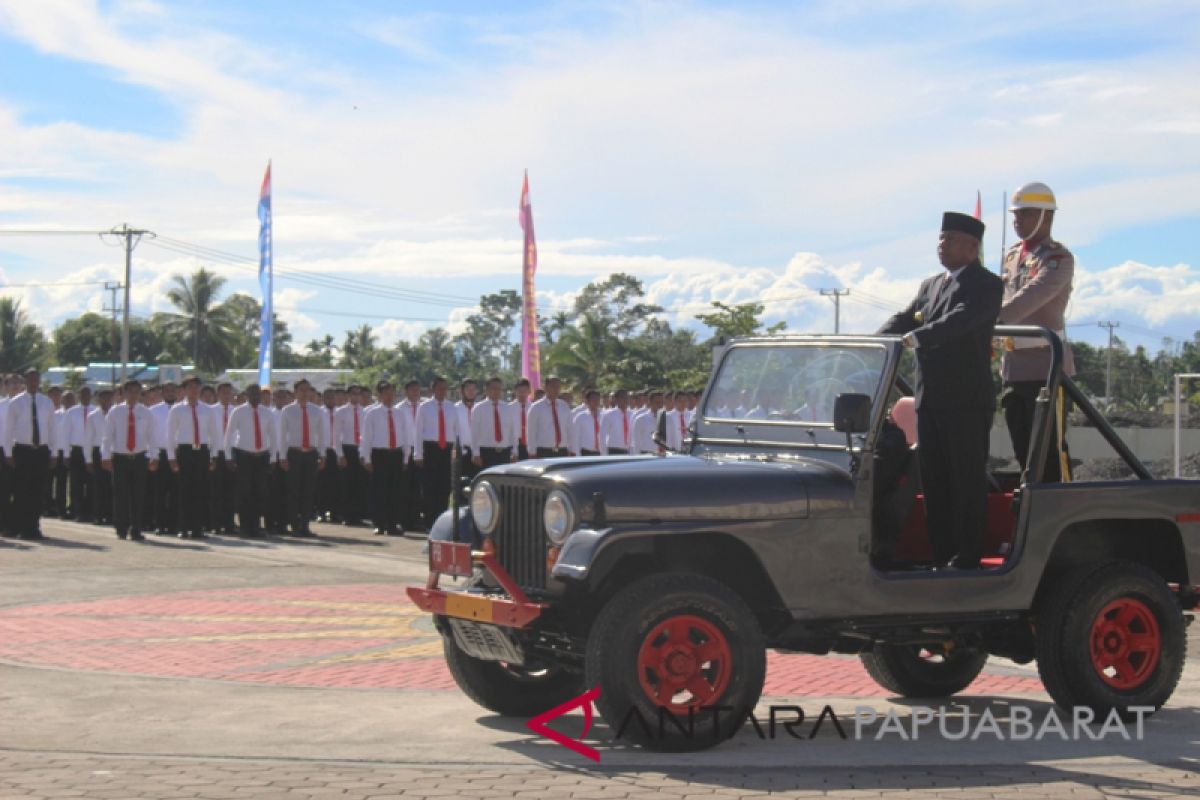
{"x": 191, "y": 484}
{"x": 129, "y": 491}
{"x": 251, "y": 475}
{"x": 30, "y": 475}
{"x": 81, "y": 484}
{"x": 302, "y": 487}
{"x": 953, "y": 451}
{"x": 354, "y": 486}
{"x": 387, "y": 475}
{"x": 102, "y": 490}
{"x": 1019, "y": 402}
{"x": 437, "y": 480}
{"x": 494, "y": 456}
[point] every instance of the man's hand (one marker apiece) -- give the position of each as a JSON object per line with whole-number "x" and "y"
{"x": 230, "y": 464}
{"x": 12, "y": 462}
{"x": 87, "y": 467}
{"x": 106, "y": 464}
{"x": 212, "y": 466}
{"x": 477, "y": 461}
{"x": 320, "y": 463}
{"x": 283, "y": 465}
{"x": 342, "y": 462}
{"x": 154, "y": 465}
{"x": 909, "y": 340}
{"x": 368, "y": 467}
{"x": 174, "y": 466}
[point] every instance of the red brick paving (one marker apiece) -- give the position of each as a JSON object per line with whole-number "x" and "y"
{"x": 365, "y": 636}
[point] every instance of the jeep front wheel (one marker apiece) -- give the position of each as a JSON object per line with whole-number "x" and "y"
{"x": 680, "y": 662}
{"x": 914, "y": 671}
{"x": 509, "y": 690}
{"x": 1110, "y": 638}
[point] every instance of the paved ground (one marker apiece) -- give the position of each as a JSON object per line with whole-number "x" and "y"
{"x": 287, "y": 669}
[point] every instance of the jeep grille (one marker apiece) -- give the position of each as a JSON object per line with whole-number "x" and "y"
{"x": 521, "y": 536}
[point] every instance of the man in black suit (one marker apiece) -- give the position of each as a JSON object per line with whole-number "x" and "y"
{"x": 950, "y": 324}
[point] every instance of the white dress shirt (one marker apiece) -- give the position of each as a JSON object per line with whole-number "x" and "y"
{"x": 413, "y": 409}
{"x": 520, "y": 421}
{"x": 58, "y": 447}
{"x": 160, "y": 411}
{"x": 427, "y": 423}
{"x": 483, "y": 426}
{"x": 541, "y": 425}
{"x": 240, "y": 433}
{"x": 222, "y": 414}
{"x": 18, "y": 428}
{"x": 588, "y": 432}
{"x": 675, "y": 433}
{"x": 347, "y": 426}
{"x": 115, "y": 428}
{"x": 291, "y": 427}
{"x": 95, "y": 431}
{"x": 614, "y": 431}
{"x": 377, "y": 436}
{"x": 644, "y": 427}
{"x": 187, "y": 431}
{"x": 465, "y": 415}
{"x": 76, "y": 431}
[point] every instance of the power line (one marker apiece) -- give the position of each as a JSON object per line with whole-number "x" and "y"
{"x": 1108, "y": 369}
{"x": 50, "y": 285}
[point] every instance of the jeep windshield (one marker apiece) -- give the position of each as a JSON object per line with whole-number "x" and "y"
{"x": 780, "y": 394}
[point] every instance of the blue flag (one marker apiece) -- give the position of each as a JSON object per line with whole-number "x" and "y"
{"x": 266, "y": 281}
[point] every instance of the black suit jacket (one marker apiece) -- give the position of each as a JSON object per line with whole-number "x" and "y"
{"x": 952, "y": 321}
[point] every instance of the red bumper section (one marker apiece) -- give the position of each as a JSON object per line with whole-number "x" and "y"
{"x": 456, "y": 559}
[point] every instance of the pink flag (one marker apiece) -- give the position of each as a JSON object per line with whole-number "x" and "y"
{"x": 531, "y": 363}
{"x": 978, "y": 205}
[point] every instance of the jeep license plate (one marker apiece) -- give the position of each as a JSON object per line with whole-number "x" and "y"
{"x": 450, "y": 558}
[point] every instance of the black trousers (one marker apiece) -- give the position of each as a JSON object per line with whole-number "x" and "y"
{"x": 1019, "y": 402}
{"x": 953, "y": 455}
{"x": 301, "y": 487}
{"x": 437, "y": 480}
{"x": 58, "y": 486}
{"x": 6, "y": 509}
{"x": 277, "y": 491}
{"x": 583, "y": 452}
{"x": 166, "y": 497}
{"x": 251, "y": 476}
{"x": 466, "y": 464}
{"x": 354, "y": 486}
{"x": 413, "y": 496}
{"x": 191, "y": 486}
{"x": 522, "y": 452}
{"x": 29, "y": 479}
{"x": 492, "y": 456}
{"x": 617, "y": 451}
{"x": 129, "y": 491}
{"x": 102, "y": 491}
{"x": 330, "y": 487}
{"x": 81, "y": 484}
{"x": 551, "y": 452}
{"x": 222, "y": 494}
{"x": 387, "y": 475}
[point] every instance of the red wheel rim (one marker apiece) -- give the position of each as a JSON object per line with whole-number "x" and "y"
{"x": 684, "y": 662}
{"x": 1126, "y": 643}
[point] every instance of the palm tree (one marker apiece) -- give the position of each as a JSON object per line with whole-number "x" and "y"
{"x": 358, "y": 350}
{"x": 21, "y": 342}
{"x": 202, "y": 324}
{"x": 585, "y": 353}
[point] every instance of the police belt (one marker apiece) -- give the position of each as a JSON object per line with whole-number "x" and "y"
{"x": 1012, "y": 343}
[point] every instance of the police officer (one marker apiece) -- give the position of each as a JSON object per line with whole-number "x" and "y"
{"x": 950, "y": 324}
{"x": 1038, "y": 273}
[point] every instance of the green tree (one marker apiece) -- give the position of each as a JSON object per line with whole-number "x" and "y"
{"x": 22, "y": 344}
{"x": 616, "y": 304}
{"x": 485, "y": 346}
{"x": 201, "y": 328}
{"x": 738, "y": 320}
{"x": 358, "y": 349}
{"x": 244, "y": 314}
{"x": 585, "y": 354}
{"x": 86, "y": 339}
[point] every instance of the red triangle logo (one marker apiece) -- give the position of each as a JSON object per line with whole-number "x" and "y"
{"x": 538, "y": 723}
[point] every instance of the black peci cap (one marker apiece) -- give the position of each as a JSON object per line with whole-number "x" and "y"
{"x": 964, "y": 223}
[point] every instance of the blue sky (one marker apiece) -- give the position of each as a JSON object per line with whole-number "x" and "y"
{"x": 719, "y": 151}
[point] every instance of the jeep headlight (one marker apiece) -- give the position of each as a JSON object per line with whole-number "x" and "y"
{"x": 485, "y": 507}
{"x": 558, "y": 517}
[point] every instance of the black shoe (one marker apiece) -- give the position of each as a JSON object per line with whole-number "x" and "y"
{"x": 184, "y": 535}
{"x": 137, "y": 537}
{"x": 380, "y": 532}
{"x": 122, "y": 535}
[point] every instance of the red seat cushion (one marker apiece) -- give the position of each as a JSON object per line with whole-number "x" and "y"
{"x": 913, "y": 544}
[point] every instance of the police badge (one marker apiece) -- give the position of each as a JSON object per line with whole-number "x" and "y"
{"x": 919, "y": 317}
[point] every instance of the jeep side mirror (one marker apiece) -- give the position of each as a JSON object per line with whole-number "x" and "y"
{"x": 852, "y": 413}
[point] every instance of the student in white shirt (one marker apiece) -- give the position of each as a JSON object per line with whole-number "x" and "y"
{"x": 347, "y": 436}
{"x": 387, "y": 438}
{"x": 617, "y": 427}
{"x": 78, "y": 452}
{"x": 438, "y": 430}
{"x": 412, "y": 495}
{"x": 645, "y": 425}
{"x": 520, "y": 416}
{"x": 30, "y": 426}
{"x": 192, "y": 439}
{"x": 492, "y": 429}
{"x": 128, "y": 451}
{"x": 677, "y": 423}
{"x": 250, "y": 450}
{"x": 302, "y": 438}
{"x": 586, "y": 428}
{"x": 468, "y": 390}
{"x": 549, "y": 423}
{"x": 102, "y": 480}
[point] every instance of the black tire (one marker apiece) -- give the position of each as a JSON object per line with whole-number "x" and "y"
{"x": 669, "y": 628}
{"x": 509, "y": 690}
{"x": 913, "y": 671}
{"x": 1109, "y": 637}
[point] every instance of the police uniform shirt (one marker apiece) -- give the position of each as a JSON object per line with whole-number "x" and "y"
{"x": 291, "y": 427}
{"x": 428, "y": 424}
{"x": 616, "y": 429}
{"x": 115, "y": 428}
{"x": 540, "y": 431}
{"x": 19, "y": 421}
{"x": 644, "y": 425}
{"x": 1037, "y": 289}
{"x": 377, "y": 436}
{"x": 484, "y": 421}
{"x": 588, "y": 432}
{"x": 676, "y": 429}
{"x": 185, "y": 430}
{"x": 347, "y": 426}
{"x": 240, "y": 434}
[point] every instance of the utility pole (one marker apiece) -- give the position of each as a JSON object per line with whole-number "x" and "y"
{"x": 837, "y": 295}
{"x": 1108, "y": 370}
{"x": 131, "y": 236}
{"x": 112, "y": 288}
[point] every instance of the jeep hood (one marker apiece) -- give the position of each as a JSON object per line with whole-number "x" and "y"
{"x": 681, "y": 488}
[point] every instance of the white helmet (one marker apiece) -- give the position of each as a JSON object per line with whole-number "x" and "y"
{"x": 1033, "y": 195}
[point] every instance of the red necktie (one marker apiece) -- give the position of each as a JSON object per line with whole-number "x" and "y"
{"x": 356, "y": 424}
{"x": 195, "y": 428}
{"x": 224, "y": 418}
{"x": 523, "y": 421}
{"x": 257, "y": 431}
{"x": 596, "y": 425}
{"x": 682, "y": 428}
{"x": 625, "y": 425}
{"x": 441, "y": 427}
{"x": 131, "y": 436}
{"x": 304, "y": 416}
{"x": 557, "y": 429}
{"x": 331, "y": 426}
{"x": 496, "y": 421}
{"x": 391, "y": 430}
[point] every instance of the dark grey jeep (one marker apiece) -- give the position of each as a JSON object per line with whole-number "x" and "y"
{"x": 794, "y": 521}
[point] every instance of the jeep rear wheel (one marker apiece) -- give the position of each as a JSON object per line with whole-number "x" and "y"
{"x": 507, "y": 689}
{"x": 1110, "y": 637}
{"x": 914, "y": 671}
{"x": 680, "y": 662}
